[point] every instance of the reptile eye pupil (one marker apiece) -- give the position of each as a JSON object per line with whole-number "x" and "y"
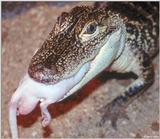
{"x": 91, "y": 28}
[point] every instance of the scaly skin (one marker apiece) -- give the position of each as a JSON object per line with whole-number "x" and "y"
{"x": 83, "y": 43}
{"x": 141, "y": 46}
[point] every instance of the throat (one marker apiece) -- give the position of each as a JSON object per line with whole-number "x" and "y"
{"x": 103, "y": 60}
{"x": 122, "y": 42}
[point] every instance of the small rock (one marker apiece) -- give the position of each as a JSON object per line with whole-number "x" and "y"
{"x": 132, "y": 134}
{"x": 34, "y": 133}
{"x": 124, "y": 122}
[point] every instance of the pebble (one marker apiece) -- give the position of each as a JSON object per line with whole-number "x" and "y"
{"x": 34, "y": 133}
{"x": 124, "y": 122}
{"x": 132, "y": 134}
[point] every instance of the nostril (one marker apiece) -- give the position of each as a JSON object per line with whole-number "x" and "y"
{"x": 35, "y": 68}
{"x": 39, "y": 67}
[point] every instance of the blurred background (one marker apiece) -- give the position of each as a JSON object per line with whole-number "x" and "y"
{"x": 25, "y": 26}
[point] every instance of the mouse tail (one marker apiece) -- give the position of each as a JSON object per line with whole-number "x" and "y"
{"x": 13, "y": 105}
{"x": 13, "y": 120}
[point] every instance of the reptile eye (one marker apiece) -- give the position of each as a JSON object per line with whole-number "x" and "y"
{"x": 91, "y": 28}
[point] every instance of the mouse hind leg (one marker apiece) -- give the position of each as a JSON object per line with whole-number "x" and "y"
{"x": 46, "y": 117}
{"x": 27, "y": 104}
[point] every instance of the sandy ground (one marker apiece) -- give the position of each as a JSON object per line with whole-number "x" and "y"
{"x": 24, "y": 32}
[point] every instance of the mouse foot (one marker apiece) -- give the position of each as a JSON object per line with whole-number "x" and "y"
{"x": 113, "y": 111}
{"x": 46, "y": 119}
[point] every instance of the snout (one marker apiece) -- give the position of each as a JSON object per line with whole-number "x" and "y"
{"x": 42, "y": 74}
